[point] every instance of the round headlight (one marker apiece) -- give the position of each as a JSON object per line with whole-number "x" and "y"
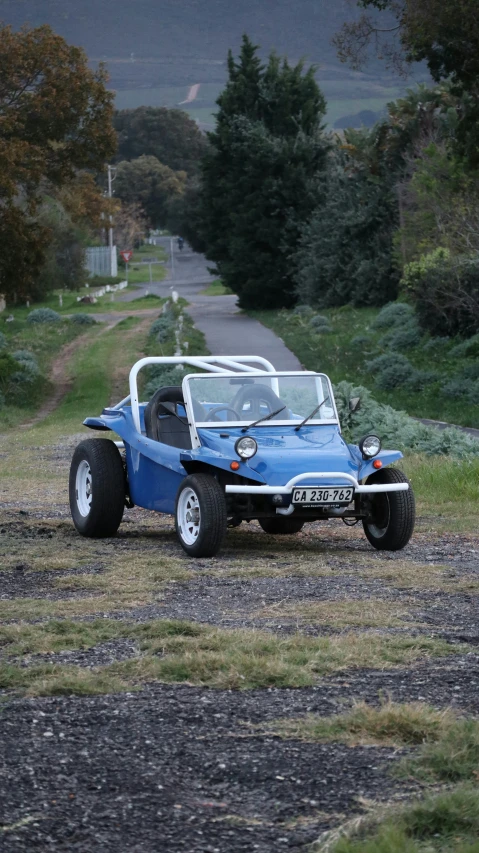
{"x": 246, "y": 447}
{"x": 370, "y": 446}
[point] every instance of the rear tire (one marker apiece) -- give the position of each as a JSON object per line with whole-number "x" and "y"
{"x": 97, "y": 488}
{"x": 281, "y": 525}
{"x": 200, "y": 516}
{"x": 393, "y": 514}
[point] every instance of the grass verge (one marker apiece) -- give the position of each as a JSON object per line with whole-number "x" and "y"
{"x": 339, "y": 356}
{"x": 444, "y": 823}
{"x": 181, "y": 652}
{"x": 216, "y": 288}
{"x": 367, "y": 613}
{"x": 446, "y": 490}
{"x": 445, "y": 751}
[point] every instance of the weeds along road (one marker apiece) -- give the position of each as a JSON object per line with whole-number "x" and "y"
{"x": 149, "y": 700}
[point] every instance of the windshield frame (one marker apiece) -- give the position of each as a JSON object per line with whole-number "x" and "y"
{"x": 194, "y": 426}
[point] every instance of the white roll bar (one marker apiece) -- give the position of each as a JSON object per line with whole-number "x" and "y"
{"x": 211, "y": 363}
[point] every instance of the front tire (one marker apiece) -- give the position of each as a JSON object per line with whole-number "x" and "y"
{"x": 390, "y": 524}
{"x": 281, "y": 525}
{"x": 97, "y": 488}
{"x": 200, "y": 515}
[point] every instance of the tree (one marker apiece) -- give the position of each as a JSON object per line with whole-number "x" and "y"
{"x": 444, "y": 33}
{"x": 169, "y": 135}
{"x": 151, "y": 184}
{"x": 56, "y": 114}
{"x": 259, "y": 178}
{"x": 346, "y": 251}
{"x": 184, "y": 215}
{"x": 130, "y": 225}
{"x": 64, "y": 262}
{"x": 439, "y": 205}
{"x": 56, "y": 119}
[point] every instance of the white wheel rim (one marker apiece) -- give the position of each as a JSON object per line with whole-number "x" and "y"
{"x": 188, "y": 516}
{"x": 83, "y": 488}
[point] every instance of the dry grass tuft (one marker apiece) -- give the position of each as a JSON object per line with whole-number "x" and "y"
{"x": 391, "y": 724}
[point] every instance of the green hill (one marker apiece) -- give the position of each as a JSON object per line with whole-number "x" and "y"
{"x": 156, "y": 49}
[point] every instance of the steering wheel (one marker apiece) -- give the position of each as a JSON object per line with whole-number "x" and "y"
{"x": 213, "y": 412}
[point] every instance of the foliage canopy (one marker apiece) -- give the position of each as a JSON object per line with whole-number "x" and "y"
{"x": 55, "y": 119}
{"x": 260, "y": 175}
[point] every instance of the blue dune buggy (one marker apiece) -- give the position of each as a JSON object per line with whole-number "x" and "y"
{"x": 235, "y": 443}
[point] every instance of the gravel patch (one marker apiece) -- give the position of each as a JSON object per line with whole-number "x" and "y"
{"x": 21, "y": 583}
{"x": 177, "y": 768}
{"x": 102, "y": 654}
{"x": 177, "y": 764}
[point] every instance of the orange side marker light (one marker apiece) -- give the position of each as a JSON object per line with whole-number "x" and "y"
{"x": 377, "y": 464}
{"x": 234, "y": 466}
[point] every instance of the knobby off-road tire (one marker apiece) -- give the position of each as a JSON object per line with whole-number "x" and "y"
{"x": 393, "y": 513}
{"x": 281, "y": 525}
{"x": 200, "y": 515}
{"x": 97, "y": 488}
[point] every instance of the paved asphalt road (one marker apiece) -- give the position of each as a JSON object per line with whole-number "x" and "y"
{"x": 227, "y": 330}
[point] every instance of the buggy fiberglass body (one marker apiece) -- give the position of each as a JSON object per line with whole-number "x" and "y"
{"x": 235, "y": 443}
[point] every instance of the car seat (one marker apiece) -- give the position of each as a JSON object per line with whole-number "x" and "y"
{"x": 254, "y": 397}
{"x": 164, "y": 423}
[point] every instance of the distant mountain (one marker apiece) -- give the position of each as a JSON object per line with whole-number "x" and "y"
{"x": 200, "y": 28}
{"x": 156, "y": 50}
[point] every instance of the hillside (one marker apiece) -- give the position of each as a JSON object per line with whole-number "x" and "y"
{"x": 200, "y": 28}
{"x": 156, "y": 49}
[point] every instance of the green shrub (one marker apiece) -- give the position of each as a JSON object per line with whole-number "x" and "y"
{"x": 420, "y": 379}
{"x": 302, "y": 310}
{"x": 17, "y": 370}
{"x": 320, "y": 324}
{"x": 393, "y": 314}
{"x": 464, "y": 383}
{"x": 43, "y": 315}
{"x": 436, "y": 343}
{"x": 415, "y": 271}
{"x": 391, "y": 370}
{"x": 445, "y": 292}
{"x": 27, "y": 360}
{"x": 163, "y": 327}
{"x": 8, "y": 367}
{"x": 397, "y": 429}
{"x": 467, "y": 349}
{"x": 82, "y": 319}
{"x": 3, "y": 341}
{"x": 455, "y": 388}
{"x": 159, "y": 376}
{"x": 402, "y": 337}
{"x": 103, "y": 280}
{"x": 361, "y": 341}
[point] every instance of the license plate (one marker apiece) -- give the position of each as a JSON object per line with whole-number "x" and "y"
{"x": 331, "y": 495}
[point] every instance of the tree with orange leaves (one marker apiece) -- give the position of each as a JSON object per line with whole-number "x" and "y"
{"x": 55, "y": 119}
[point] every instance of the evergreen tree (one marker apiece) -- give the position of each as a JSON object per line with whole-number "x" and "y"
{"x": 260, "y": 176}
{"x": 346, "y": 253}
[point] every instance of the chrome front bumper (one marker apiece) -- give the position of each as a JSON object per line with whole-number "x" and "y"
{"x": 313, "y": 475}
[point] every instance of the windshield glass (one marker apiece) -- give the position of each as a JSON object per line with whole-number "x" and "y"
{"x": 244, "y": 399}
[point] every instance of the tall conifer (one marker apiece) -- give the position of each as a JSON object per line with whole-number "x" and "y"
{"x": 260, "y": 178}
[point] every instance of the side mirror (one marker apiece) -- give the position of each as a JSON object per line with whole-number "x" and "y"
{"x": 354, "y": 404}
